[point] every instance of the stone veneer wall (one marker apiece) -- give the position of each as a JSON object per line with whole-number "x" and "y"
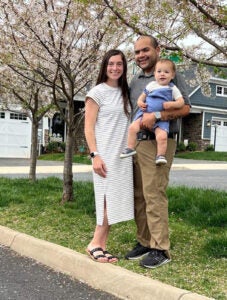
{"x": 192, "y": 130}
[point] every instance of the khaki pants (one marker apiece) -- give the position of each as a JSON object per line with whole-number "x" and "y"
{"x": 151, "y": 203}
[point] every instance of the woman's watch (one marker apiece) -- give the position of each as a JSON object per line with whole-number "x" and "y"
{"x": 157, "y": 115}
{"x": 93, "y": 154}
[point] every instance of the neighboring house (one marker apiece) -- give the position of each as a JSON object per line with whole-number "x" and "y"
{"x": 207, "y": 122}
{"x": 205, "y": 125}
{"x": 15, "y": 133}
{"x": 16, "y": 128}
{"x": 57, "y": 127}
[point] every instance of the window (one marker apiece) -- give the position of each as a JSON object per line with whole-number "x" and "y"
{"x": 221, "y": 90}
{"x": 216, "y": 122}
{"x": 2, "y": 115}
{"x": 224, "y": 123}
{"x": 14, "y": 116}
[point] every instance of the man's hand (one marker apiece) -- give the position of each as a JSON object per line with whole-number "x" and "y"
{"x": 148, "y": 121}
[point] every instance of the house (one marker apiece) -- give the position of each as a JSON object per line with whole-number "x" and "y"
{"x": 15, "y": 133}
{"x": 16, "y": 128}
{"x": 205, "y": 125}
{"x": 207, "y": 122}
{"x": 57, "y": 127}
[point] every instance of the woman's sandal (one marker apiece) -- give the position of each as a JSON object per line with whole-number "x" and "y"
{"x": 96, "y": 258}
{"x": 111, "y": 258}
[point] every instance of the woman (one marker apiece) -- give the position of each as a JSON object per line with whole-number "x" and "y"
{"x": 107, "y": 117}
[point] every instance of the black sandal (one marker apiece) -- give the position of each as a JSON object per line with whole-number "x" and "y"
{"x": 96, "y": 257}
{"x": 110, "y": 256}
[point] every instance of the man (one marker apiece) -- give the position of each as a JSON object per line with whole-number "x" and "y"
{"x": 150, "y": 180}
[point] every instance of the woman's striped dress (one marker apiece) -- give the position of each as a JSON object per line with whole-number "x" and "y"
{"x": 111, "y": 132}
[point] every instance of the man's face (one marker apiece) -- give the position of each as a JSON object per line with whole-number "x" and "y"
{"x": 146, "y": 55}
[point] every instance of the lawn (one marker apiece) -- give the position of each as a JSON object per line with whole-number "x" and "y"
{"x": 197, "y": 155}
{"x": 77, "y": 158}
{"x": 197, "y": 229}
{"x": 203, "y": 155}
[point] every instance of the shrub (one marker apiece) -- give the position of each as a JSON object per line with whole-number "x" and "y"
{"x": 191, "y": 146}
{"x": 181, "y": 147}
{"x": 209, "y": 148}
{"x": 62, "y": 146}
{"x": 55, "y": 147}
{"x": 52, "y": 147}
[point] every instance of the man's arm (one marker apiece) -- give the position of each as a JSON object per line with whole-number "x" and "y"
{"x": 167, "y": 115}
{"x": 149, "y": 119}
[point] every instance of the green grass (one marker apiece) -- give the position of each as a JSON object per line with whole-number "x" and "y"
{"x": 197, "y": 229}
{"x": 77, "y": 158}
{"x": 84, "y": 159}
{"x": 203, "y": 155}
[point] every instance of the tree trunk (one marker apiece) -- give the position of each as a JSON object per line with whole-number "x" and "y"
{"x": 67, "y": 172}
{"x": 34, "y": 150}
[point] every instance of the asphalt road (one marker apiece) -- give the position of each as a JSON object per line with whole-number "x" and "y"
{"x": 23, "y": 278}
{"x": 206, "y": 179}
{"x": 191, "y": 173}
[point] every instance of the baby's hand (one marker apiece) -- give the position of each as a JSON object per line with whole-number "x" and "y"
{"x": 142, "y": 105}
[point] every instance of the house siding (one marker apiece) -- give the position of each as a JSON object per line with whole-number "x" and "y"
{"x": 214, "y": 101}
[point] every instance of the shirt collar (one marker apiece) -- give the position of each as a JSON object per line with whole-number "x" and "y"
{"x": 143, "y": 75}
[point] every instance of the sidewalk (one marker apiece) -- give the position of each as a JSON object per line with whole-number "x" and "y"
{"x": 21, "y": 166}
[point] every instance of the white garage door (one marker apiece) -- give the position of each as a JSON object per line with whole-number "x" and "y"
{"x": 219, "y": 134}
{"x": 15, "y": 135}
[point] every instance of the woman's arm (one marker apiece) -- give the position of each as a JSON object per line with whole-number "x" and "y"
{"x": 91, "y": 113}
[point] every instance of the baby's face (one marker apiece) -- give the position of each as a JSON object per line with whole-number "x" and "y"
{"x": 164, "y": 73}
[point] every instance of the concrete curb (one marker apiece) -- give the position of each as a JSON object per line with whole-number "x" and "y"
{"x": 106, "y": 277}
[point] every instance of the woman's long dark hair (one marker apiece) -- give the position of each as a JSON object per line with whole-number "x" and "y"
{"x": 122, "y": 82}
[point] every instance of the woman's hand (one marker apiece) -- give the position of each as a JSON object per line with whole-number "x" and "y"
{"x": 99, "y": 166}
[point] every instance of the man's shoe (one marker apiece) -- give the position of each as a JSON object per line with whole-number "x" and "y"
{"x": 155, "y": 259}
{"x": 137, "y": 252}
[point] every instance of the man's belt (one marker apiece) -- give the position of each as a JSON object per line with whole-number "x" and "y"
{"x": 148, "y": 135}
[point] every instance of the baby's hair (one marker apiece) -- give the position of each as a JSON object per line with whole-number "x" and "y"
{"x": 167, "y": 60}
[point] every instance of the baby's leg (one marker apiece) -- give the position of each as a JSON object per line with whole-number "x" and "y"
{"x": 161, "y": 138}
{"x": 133, "y": 129}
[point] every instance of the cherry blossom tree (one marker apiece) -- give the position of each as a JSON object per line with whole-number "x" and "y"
{"x": 62, "y": 42}
{"x": 191, "y": 31}
{"x": 197, "y": 30}
{"x": 34, "y": 100}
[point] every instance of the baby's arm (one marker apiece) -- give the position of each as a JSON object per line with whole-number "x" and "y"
{"x": 179, "y": 100}
{"x": 141, "y": 101}
{"x": 178, "y": 103}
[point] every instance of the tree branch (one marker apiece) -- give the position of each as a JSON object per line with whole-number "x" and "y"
{"x": 205, "y": 13}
